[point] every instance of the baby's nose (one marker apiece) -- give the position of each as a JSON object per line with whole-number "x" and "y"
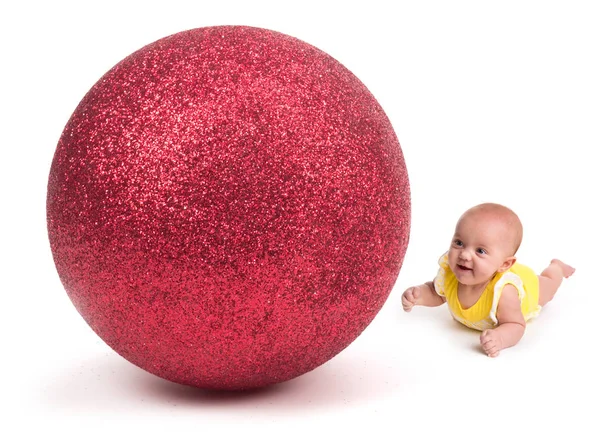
{"x": 465, "y": 255}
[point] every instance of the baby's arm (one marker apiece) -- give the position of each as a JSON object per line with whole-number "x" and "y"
{"x": 424, "y": 295}
{"x": 511, "y": 324}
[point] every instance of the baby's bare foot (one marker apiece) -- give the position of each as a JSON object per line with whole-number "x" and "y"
{"x": 567, "y": 270}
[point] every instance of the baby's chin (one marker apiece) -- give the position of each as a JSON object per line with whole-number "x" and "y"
{"x": 471, "y": 281}
{"x": 467, "y": 282}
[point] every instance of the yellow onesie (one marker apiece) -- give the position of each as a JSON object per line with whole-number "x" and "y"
{"x": 482, "y": 315}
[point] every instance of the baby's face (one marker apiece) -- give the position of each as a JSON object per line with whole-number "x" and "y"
{"x": 479, "y": 248}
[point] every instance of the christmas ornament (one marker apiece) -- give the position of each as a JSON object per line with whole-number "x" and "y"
{"x": 228, "y": 207}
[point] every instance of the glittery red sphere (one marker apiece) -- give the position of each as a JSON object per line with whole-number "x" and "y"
{"x": 228, "y": 207}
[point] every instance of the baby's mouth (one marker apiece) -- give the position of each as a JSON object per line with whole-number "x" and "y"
{"x": 464, "y": 268}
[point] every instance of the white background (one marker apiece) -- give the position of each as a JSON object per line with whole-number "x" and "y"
{"x": 491, "y": 101}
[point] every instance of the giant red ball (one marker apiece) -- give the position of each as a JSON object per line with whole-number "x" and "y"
{"x": 228, "y": 207}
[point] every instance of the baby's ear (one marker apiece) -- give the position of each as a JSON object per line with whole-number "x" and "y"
{"x": 508, "y": 262}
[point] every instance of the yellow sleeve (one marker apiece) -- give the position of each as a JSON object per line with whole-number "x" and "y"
{"x": 506, "y": 279}
{"x": 440, "y": 279}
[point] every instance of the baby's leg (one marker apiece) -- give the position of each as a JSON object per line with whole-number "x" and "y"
{"x": 551, "y": 278}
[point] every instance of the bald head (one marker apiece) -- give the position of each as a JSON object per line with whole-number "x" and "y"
{"x": 498, "y": 214}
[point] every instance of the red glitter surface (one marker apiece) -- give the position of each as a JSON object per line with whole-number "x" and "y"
{"x": 228, "y": 207}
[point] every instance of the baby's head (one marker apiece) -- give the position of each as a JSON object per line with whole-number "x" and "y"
{"x": 485, "y": 242}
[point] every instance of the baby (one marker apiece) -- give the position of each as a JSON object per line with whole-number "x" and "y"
{"x": 481, "y": 282}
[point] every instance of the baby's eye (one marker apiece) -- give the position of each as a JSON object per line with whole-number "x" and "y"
{"x": 481, "y": 251}
{"x": 458, "y": 242}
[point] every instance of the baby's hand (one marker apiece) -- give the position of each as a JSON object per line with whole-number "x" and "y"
{"x": 491, "y": 342}
{"x": 409, "y": 298}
